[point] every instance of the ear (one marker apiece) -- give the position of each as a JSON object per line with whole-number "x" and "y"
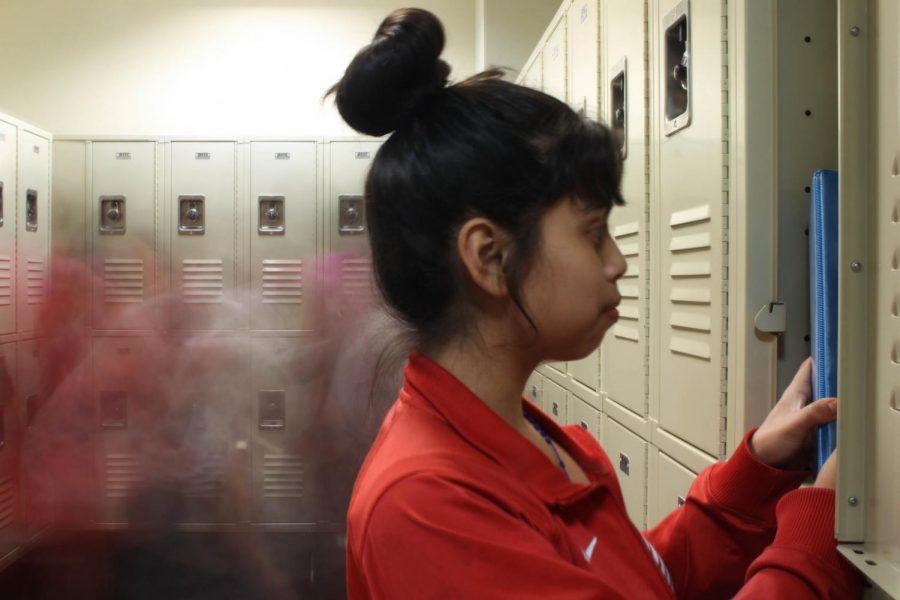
{"x": 483, "y": 249}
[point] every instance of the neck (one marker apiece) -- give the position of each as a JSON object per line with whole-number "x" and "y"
{"x": 493, "y": 372}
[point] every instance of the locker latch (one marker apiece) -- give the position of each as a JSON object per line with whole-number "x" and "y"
{"x": 113, "y": 410}
{"x": 678, "y": 67}
{"x": 352, "y": 214}
{"x": 680, "y": 500}
{"x": 192, "y": 220}
{"x": 271, "y": 215}
{"x": 772, "y": 318}
{"x": 112, "y": 215}
{"x": 618, "y": 105}
{"x": 555, "y": 409}
{"x": 31, "y": 210}
{"x": 271, "y": 409}
{"x": 624, "y": 464}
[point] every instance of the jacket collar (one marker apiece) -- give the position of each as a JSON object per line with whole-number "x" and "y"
{"x": 430, "y": 386}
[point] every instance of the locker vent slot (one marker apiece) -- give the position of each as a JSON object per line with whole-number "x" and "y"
{"x": 203, "y": 281}
{"x": 5, "y": 281}
{"x": 356, "y": 279}
{"x": 36, "y": 278}
{"x": 282, "y": 476}
{"x": 123, "y": 281}
{"x": 208, "y": 478}
{"x": 626, "y": 333}
{"x": 124, "y": 475}
{"x": 7, "y": 503}
{"x": 628, "y": 240}
{"x": 690, "y": 348}
{"x": 282, "y": 281}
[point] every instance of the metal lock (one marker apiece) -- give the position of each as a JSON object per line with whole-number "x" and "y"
{"x": 113, "y": 410}
{"x": 351, "y": 214}
{"x": 618, "y": 87}
{"x": 112, "y": 215}
{"x": 271, "y": 215}
{"x": 678, "y": 65}
{"x": 271, "y": 409}
{"x": 192, "y": 219}
{"x": 624, "y": 464}
{"x": 31, "y": 210}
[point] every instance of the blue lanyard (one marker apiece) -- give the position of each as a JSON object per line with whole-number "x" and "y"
{"x": 547, "y": 439}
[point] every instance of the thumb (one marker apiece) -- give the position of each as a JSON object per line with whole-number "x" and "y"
{"x": 819, "y": 412}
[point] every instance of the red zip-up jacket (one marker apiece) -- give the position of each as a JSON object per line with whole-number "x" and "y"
{"x": 452, "y": 502}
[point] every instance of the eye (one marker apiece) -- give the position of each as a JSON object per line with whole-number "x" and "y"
{"x": 599, "y": 232}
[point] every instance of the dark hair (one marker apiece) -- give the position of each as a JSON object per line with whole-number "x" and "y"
{"x": 481, "y": 147}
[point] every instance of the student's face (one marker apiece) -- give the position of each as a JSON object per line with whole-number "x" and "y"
{"x": 570, "y": 292}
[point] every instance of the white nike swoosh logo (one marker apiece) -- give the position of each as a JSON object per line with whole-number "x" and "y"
{"x": 589, "y": 551}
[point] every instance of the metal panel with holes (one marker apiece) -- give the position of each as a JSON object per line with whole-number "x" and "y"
{"x": 33, "y": 230}
{"x": 628, "y": 454}
{"x": 691, "y": 238}
{"x": 284, "y": 234}
{"x": 123, "y": 234}
{"x": 204, "y": 236}
{"x": 8, "y": 205}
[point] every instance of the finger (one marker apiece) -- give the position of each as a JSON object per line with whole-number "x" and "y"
{"x": 802, "y": 382}
{"x": 819, "y": 412}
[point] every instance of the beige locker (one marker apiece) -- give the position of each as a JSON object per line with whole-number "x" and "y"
{"x": 533, "y": 75}
{"x": 34, "y": 228}
{"x": 626, "y": 346}
{"x": 8, "y": 149}
{"x": 586, "y": 370}
{"x": 31, "y": 422}
{"x": 534, "y": 389}
{"x": 554, "y": 59}
{"x": 284, "y": 476}
{"x": 555, "y": 401}
{"x": 350, "y": 262}
{"x": 284, "y": 237}
{"x": 628, "y": 454}
{"x": 123, "y": 231}
{"x": 204, "y": 236}
{"x": 670, "y": 483}
{"x": 583, "y": 414}
{"x": 691, "y": 241}
{"x": 9, "y": 447}
{"x": 583, "y": 57}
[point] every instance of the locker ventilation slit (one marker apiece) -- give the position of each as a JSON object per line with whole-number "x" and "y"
{"x": 123, "y": 281}
{"x": 7, "y": 503}
{"x": 124, "y": 475}
{"x": 283, "y": 476}
{"x": 207, "y": 480}
{"x": 356, "y": 279}
{"x": 203, "y": 281}
{"x": 5, "y": 281}
{"x": 282, "y": 282}
{"x": 627, "y": 236}
{"x": 36, "y": 280}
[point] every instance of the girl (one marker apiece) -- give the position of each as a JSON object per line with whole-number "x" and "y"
{"x": 487, "y": 211}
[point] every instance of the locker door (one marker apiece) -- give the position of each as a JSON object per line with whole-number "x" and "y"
{"x": 534, "y": 73}
{"x": 284, "y": 238}
{"x": 30, "y": 417}
{"x": 554, "y": 57}
{"x": 350, "y": 262}
{"x": 9, "y": 448}
{"x": 628, "y": 454}
{"x": 584, "y": 51}
{"x": 670, "y": 484}
{"x": 692, "y": 248}
{"x": 625, "y": 347}
{"x": 534, "y": 389}
{"x": 8, "y": 202}
{"x": 124, "y": 234}
{"x": 282, "y": 464}
{"x": 33, "y": 229}
{"x": 587, "y": 370}
{"x": 555, "y": 401}
{"x": 204, "y": 236}
{"x": 584, "y": 415}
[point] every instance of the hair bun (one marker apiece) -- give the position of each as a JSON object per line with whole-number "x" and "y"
{"x": 388, "y": 79}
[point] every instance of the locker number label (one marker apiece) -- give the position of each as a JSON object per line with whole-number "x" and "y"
{"x": 202, "y": 156}
{"x": 37, "y": 149}
{"x": 584, "y": 12}
{"x": 282, "y": 156}
{"x": 123, "y": 155}
{"x": 364, "y": 155}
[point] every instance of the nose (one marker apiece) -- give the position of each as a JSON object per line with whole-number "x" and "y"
{"x": 614, "y": 263}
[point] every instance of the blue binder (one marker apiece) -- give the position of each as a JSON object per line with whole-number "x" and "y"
{"x": 823, "y": 266}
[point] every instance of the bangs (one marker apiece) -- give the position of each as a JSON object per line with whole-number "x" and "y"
{"x": 586, "y": 164}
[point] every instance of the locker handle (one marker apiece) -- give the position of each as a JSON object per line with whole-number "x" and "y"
{"x": 680, "y": 501}
{"x": 555, "y": 409}
{"x": 271, "y": 410}
{"x": 112, "y": 215}
{"x": 31, "y": 210}
{"x": 624, "y": 464}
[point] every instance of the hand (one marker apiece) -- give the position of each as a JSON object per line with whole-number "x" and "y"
{"x": 787, "y": 432}
{"x": 827, "y": 477}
